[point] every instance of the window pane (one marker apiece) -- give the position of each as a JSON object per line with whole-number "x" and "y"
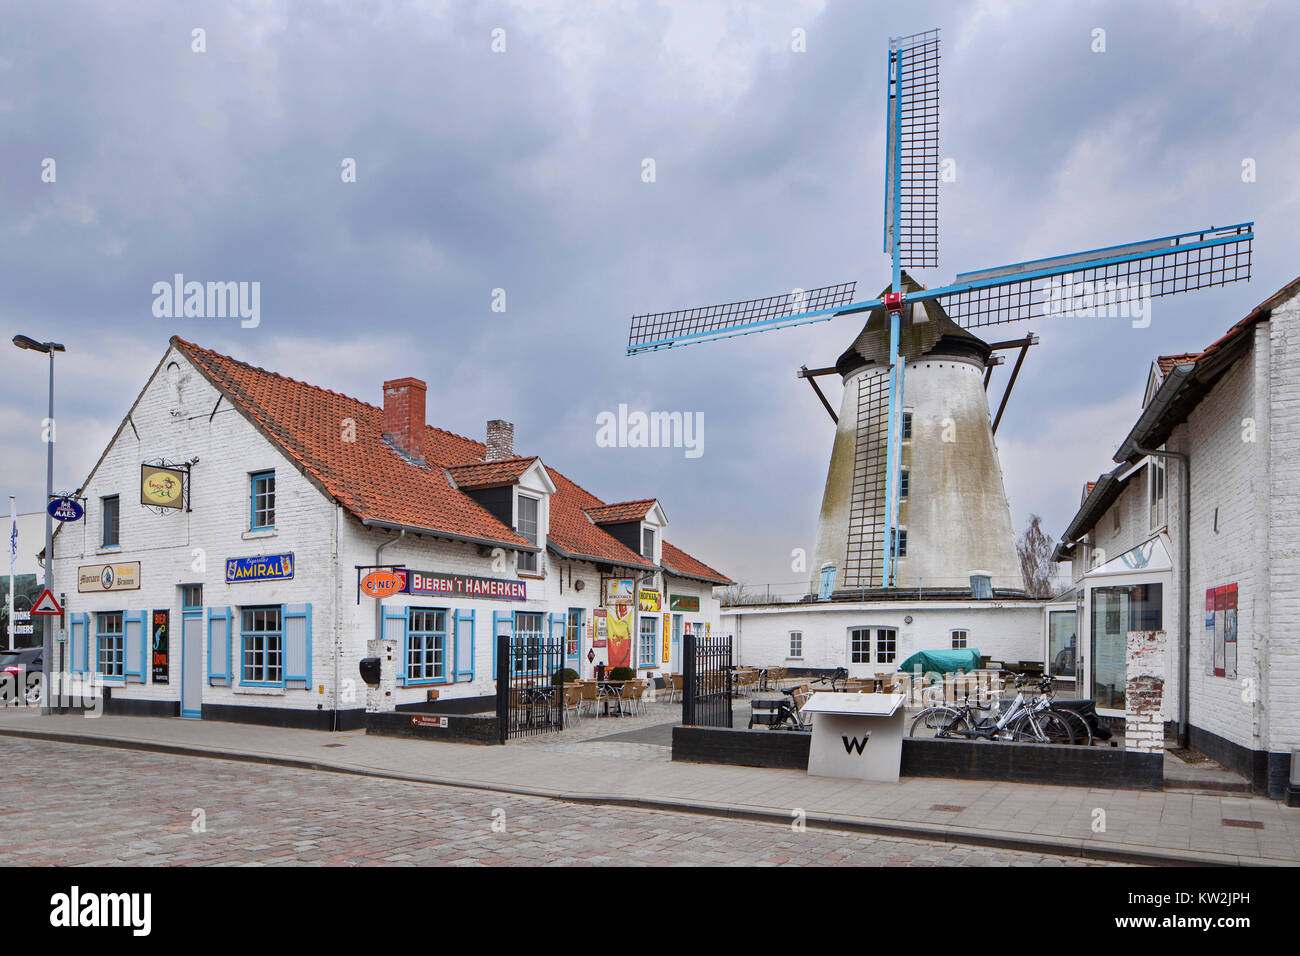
{"x": 110, "y": 521}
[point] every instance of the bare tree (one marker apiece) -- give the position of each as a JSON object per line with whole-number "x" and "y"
{"x": 1036, "y": 566}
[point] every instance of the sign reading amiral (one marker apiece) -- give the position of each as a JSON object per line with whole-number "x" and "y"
{"x": 162, "y": 487}
{"x": 108, "y": 577}
{"x": 265, "y": 567}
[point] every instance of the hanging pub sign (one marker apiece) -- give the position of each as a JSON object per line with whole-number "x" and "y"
{"x": 683, "y": 602}
{"x": 380, "y": 584}
{"x": 162, "y": 487}
{"x": 162, "y": 638}
{"x": 65, "y": 509}
{"x": 263, "y": 567}
{"x": 108, "y": 577}
{"x": 461, "y": 585}
{"x": 618, "y": 590}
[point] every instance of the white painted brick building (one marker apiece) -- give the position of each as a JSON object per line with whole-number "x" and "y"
{"x": 319, "y": 484}
{"x": 1233, "y": 412}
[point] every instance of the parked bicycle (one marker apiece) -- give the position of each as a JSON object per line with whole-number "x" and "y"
{"x": 1026, "y": 720}
{"x": 788, "y": 714}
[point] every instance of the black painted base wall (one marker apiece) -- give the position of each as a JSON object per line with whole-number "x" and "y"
{"x": 960, "y": 759}
{"x": 142, "y": 708}
{"x": 461, "y": 728}
{"x": 284, "y": 717}
{"x": 486, "y": 704}
{"x": 1268, "y": 773}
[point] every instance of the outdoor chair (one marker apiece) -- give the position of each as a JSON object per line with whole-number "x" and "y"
{"x": 628, "y": 697}
{"x": 638, "y": 696}
{"x": 673, "y": 686}
{"x": 573, "y": 699}
{"x": 590, "y": 697}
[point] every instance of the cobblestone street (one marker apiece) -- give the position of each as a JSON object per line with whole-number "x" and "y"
{"x": 85, "y": 805}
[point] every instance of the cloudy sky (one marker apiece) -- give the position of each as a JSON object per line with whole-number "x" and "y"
{"x": 522, "y": 170}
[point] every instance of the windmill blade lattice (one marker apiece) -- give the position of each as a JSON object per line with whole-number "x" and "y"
{"x": 1072, "y": 285}
{"x": 665, "y": 329}
{"x": 914, "y": 78}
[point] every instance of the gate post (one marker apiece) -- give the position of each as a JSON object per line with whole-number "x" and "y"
{"x": 688, "y": 680}
{"x": 503, "y": 685}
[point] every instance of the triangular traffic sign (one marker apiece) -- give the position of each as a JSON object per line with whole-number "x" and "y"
{"x": 45, "y": 604}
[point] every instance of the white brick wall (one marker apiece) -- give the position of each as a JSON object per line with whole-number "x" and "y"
{"x": 1281, "y": 681}
{"x": 1001, "y": 630}
{"x": 327, "y": 544}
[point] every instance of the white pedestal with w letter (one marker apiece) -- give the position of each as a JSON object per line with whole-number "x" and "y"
{"x": 856, "y": 736}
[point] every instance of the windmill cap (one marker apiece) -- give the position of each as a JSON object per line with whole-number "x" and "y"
{"x": 938, "y": 334}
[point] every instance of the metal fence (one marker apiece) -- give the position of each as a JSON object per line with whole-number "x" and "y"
{"x": 530, "y": 685}
{"x": 706, "y": 681}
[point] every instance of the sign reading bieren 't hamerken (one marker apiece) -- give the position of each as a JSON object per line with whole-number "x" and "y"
{"x": 462, "y": 585}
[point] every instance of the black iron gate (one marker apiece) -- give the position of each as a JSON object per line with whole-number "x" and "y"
{"x": 530, "y": 685}
{"x": 706, "y": 681}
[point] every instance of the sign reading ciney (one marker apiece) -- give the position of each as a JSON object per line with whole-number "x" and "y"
{"x": 108, "y": 577}
{"x": 462, "y": 585}
{"x": 263, "y": 567}
{"x": 162, "y": 487}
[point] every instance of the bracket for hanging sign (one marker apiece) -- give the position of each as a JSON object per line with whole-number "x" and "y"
{"x": 153, "y": 484}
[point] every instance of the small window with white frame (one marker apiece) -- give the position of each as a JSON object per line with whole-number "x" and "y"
{"x": 110, "y": 644}
{"x": 860, "y": 645}
{"x": 1157, "y": 496}
{"x": 960, "y": 638}
{"x": 527, "y": 526}
{"x": 796, "y": 645}
{"x": 648, "y": 543}
{"x": 886, "y": 645}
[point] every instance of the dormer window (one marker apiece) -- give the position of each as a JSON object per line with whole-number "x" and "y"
{"x": 648, "y": 544}
{"x": 526, "y": 524}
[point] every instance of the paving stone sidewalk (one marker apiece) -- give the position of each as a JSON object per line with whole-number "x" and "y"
{"x": 1152, "y": 827}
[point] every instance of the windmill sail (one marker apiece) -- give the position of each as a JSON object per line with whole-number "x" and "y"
{"x": 912, "y": 150}
{"x": 1115, "y": 278}
{"x": 656, "y": 330}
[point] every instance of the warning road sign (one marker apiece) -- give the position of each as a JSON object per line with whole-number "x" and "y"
{"x": 45, "y": 604}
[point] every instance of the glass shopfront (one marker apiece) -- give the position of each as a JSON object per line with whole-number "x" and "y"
{"x": 1115, "y": 611}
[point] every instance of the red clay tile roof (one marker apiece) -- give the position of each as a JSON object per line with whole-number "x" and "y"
{"x": 620, "y": 511}
{"x": 576, "y": 535}
{"x": 491, "y": 474}
{"x": 306, "y": 422}
{"x": 679, "y": 562}
{"x": 1167, "y": 362}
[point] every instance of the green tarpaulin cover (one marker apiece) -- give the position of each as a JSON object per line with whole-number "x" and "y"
{"x": 942, "y": 662}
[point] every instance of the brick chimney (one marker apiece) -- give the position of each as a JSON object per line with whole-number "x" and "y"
{"x": 404, "y": 416}
{"x": 500, "y": 440}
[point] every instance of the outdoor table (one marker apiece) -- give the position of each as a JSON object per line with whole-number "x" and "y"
{"x": 611, "y": 690}
{"x": 856, "y": 736}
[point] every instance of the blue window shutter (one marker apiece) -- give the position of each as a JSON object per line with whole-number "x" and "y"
{"x": 497, "y": 619}
{"x": 297, "y": 643}
{"x": 77, "y": 643}
{"x": 133, "y": 647}
{"x": 464, "y": 659}
{"x": 219, "y": 646}
{"x": 395, "y": 630}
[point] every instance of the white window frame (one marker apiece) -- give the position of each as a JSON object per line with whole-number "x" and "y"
{"x": 647, "y": 644}
{"x": 527, "y": 561}
{"x": 1157, "y": 500}
{"x": 965, "y": 632}
{"x": 795, "y": 646}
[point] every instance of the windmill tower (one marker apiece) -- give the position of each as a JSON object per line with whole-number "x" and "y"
{"x": 1067, "y": 285}
{"x": 953, "y": 516}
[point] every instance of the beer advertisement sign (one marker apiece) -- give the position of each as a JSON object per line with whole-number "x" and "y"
{"x": 92, "y": 578}
{"x": 162, "y": 487}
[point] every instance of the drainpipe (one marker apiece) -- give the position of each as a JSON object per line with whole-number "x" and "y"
{"x": 379, "y": 605}
{"x": 1184, "y": 560}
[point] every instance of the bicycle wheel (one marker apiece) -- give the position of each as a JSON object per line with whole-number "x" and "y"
{"x": 1079, "y": 726}
{"x": 1048, "y": 727}
{"x": 940, "y": 722}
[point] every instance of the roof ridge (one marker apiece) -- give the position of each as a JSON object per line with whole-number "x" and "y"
{"x": 319, "y": 388}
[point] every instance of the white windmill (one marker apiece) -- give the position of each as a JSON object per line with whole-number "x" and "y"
{"x": 943, "y": 477}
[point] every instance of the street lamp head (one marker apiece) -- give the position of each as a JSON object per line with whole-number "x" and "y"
{"x": 27, "y": 342}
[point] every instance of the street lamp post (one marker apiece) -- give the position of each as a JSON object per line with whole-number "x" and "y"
{"x": 47, "y": 639}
